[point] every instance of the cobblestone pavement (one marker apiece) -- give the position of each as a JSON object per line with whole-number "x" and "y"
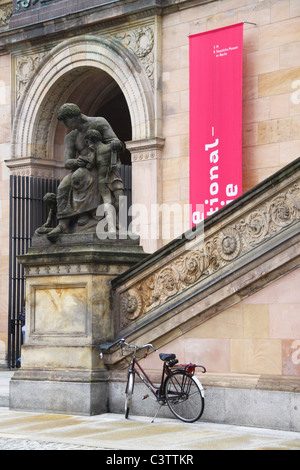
{"x": 23, "y": 444}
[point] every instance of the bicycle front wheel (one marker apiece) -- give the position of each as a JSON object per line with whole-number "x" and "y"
{"x": 129, "y": 392}
{"x": 184, "y": 397}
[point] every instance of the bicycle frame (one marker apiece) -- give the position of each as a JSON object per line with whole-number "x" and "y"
{"x": 175, "y": 384}
{"x": 157, "y": 391}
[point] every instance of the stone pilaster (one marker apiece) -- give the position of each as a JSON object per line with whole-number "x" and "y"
{"x": 147, "y": 190}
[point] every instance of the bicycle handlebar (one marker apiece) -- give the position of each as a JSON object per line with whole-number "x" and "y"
{"x": 120, "y": 342}
{"x": 134, "y": 346}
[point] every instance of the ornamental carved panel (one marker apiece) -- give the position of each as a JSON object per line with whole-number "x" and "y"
{"x": 25, "y": 67}
{"x": 141, "y": 42}
{"x": 211, "y": 255}
{"x": 5, "y": 14}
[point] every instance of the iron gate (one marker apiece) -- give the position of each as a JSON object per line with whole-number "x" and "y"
{"x": 27, "y": 212}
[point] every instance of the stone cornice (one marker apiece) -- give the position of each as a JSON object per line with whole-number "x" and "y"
{"x": 17, "y": 163}
{"x": 35, "y": 27}
{"x": 84, "y": 21}
{"x": 35, "y": 167}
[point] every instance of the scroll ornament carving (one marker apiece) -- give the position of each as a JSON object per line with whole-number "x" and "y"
{"x": 141, "y": 42}
{"x": 131, "y": 304}
{"x": 229, "y": 244}
{"x": 215, "y": 253}
{"x": 25, "y": 68}
{"x": 54, "y": 96}
{"x": 5, "y": 14}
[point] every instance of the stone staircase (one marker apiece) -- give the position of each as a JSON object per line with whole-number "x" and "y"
{"x": 239, "y": 250}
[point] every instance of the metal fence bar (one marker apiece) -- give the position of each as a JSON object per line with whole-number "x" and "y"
{"x": 11, "y": 256}
{"x": 125, "y": 172}
{"x": 27, "y": 212}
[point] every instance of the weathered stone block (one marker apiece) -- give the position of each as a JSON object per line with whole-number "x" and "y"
{"x": 68, "y": 315}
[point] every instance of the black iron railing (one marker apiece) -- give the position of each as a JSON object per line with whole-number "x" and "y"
{"x": 27, "y": 212}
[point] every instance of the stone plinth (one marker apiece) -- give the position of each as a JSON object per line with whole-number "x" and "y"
{"x": 68, "y": 315}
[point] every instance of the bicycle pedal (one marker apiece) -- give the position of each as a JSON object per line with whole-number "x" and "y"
{"x": 145, "y": 396}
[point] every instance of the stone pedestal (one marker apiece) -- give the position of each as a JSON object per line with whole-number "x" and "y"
{"x": 68, "y": 315}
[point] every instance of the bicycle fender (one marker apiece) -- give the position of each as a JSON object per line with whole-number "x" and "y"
{"x": 200, "y": 386}
{"x": 133, "y": 377}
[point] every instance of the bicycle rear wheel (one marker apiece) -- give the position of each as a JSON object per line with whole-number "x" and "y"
{"x": 184, "y": 396}
{"x": 129, "y": 392}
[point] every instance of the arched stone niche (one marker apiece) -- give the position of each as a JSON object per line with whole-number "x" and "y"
{"x": 59, "y": 73}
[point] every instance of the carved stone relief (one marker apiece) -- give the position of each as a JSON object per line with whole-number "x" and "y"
{"x": 146, "y": 149}
{"x": 25, "y": 68}
{"x": 141, "y": 42}
{"x": 5, "y": 14}
{"x": 65, "y": 269}
{"x": 55, "y": 95}
{"x": 216, "y": 252}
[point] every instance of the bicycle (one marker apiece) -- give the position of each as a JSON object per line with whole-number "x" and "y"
{"x": 179, "y": 389}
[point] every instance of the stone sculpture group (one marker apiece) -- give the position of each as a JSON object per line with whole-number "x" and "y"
{"x": 92, "y": 154}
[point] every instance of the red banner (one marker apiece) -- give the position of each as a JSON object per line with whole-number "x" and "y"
{"x": 216, "y": 69}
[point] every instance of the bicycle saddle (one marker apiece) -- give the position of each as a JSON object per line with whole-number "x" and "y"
{"x": 167, "y": 357}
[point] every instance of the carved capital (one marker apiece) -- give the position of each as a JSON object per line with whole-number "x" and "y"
{"x": 34, "y": 167}
{"x": 148, "y": 149}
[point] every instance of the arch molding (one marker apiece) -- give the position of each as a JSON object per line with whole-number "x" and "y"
{"x": 35, "y": 120}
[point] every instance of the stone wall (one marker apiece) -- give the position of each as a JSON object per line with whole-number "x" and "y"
{"x": 271, "y": 89}
{"x": 258, "y": 336}
{"x": 155, "y": 38}
{"x": 228, "y": 299}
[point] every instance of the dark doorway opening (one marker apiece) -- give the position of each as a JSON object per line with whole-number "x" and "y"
{"x": 116, "y": 112}
{"x": 98, "y": 94}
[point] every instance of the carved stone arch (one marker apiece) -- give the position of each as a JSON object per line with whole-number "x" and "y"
{"x": 60, "y": 71}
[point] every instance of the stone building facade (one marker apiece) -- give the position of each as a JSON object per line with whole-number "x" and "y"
{"x": 130, "y": 60}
